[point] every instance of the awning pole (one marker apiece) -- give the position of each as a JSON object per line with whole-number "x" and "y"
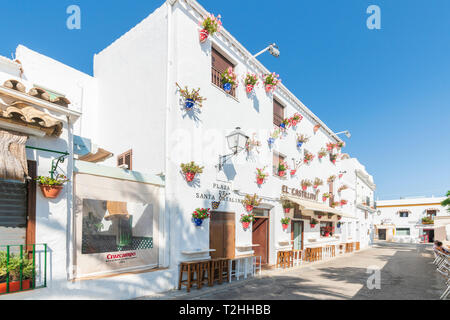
{"x": 48, "y": 150}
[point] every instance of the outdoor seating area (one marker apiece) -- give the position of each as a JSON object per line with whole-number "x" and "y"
{"x": 199, "y": 273}
{"x": 293, "y": 258}
{"x": 442, "y": 262}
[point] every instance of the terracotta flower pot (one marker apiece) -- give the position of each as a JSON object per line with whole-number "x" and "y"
{"x": 320, "y": 217}
{"x": 14, "y": 286}
{"x": 50, "y": 192}
{"x": 315, "y": 187}
{"x": 316, "y": 128}
{"x": 340, "y": 175}
{"x": 327, "y": 234}
{"x": 293, "y": 172}
{"x": 249, "y": 88}
{"x": 282, "y": 173}
{"x": 249, "y": 208}
{"x": 304, "y": 188}
{"x": 312, "y": 225}
{"x": 245, "y": 225}
{"x": 269, "y": 87}
{"x": 203, "y": 35}
{"x": 324, "y": 199}
{"x": 190, "y": 176}
{"x": 285, "y": 226}
{"x": 334, "y": 161}
{"x": 287, "y": 210}
{"x": 259, "y": 181}
{"x": 294, "y": 123}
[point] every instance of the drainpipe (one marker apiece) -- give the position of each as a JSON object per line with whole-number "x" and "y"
{"x": 167, "y": 216}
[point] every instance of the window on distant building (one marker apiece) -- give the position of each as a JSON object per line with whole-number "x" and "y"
{"x": 431, "y": 214}
{"x": 126, "y": 158}
{"x": 218, "y": 65}
{"x": 278, "y": 113}
{"x": 403, "y": 214}
{"x": 402, "y": 231}
{"x": 277, "y": 158}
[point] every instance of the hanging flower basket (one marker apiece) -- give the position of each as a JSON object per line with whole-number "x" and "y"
{"x": 204, "y": 34}
{"x": 312, "y": 225}
{"x": 191, "y": 97}
{"x": 199, "y": 215}
{"x": 293, "y": 172}
{"x": 249, "y": 208}
{"x": 251, "y": 202}
{"x": 259, "y": 181}
{"x": 250, "y": 81}
{"x": 271, "y": 80}
{"x": 285, "y": 226}
{"x": 51, "y": 187}
{"x": 50, "y": 192}
{"x": 295, "y": 119}
{"x": 190, "y": 170}
{"x": 245, "y": 225}
{"x": 281, "y": 173}
{"x": 261, "y": 176}
{"x": 249, "y": 88}
{"x": 209, "y": 25}
{"x": 285, "y": 222}
{"x": 246, "y": 219}
{"x": 229, "y": 79}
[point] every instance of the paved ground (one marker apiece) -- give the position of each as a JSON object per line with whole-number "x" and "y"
{"x": 406, "y": 272}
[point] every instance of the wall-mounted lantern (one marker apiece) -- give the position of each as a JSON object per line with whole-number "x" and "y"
{"x": 237, "y": 140}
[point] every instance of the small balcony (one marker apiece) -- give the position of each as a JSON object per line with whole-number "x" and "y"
{"x": 427, "y": 220}
{"x": 216, "y": 78}
{"x": 23, "y": 267}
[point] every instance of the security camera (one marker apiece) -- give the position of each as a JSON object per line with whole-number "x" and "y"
{"x": 273, "y": 49}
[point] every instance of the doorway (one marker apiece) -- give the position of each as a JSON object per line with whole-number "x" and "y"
{"x": 222, "y": 234}
{"x": 381, "y": 234}
{"x": 429, "y": 235}
{"x": 260, "y": 234}
{"x": 297, "y": 234}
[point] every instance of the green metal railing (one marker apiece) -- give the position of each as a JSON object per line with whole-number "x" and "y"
{"x": 23, "y": 267}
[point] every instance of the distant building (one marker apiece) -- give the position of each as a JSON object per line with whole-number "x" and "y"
{"x": 412, "y": 220}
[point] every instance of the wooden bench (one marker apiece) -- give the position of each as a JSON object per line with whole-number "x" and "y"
{"x": 285, "y": 259}
{"x": 191, "y": 268}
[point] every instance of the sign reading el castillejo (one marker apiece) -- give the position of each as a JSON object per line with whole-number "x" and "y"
{"x": 300, "y": 193}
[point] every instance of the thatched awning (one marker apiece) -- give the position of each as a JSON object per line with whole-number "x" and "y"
{"x": 22, "y": 114}
{"x": 13, "y": 158}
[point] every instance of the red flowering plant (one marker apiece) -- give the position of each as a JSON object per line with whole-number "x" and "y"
{"x": 246, "y": 219}
{"x": 305, "y": 183}
{"x": 201, "y": 213}
{"x": 271, "y": 80}
{"x": 210, "y": 25}
{"x": 229, "y": 79}
{"x": 295, "y": 119}
{"x": 251, "y": 80}
{"x": 340, "y": 145}
{"x": 308, "y": 158}
{"x": 325, "y": 196}
{"x": 313, "y": 222}
{"x": 343, "y": 202}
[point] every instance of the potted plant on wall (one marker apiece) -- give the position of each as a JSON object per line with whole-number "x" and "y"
{"x": 190, "y": 170}
{"x": 317, "y": 182}
{"x": 246, "y": 219}
{"x": 285, "y": 222}
{"x": 51, "y": 187}
{"x": 333, "y": 158}
{"x": 199, "y": 215}
{"x": 325, "y": 196}
{"x": 282, "y": 167}
{"x": 295, "y": 119}
{"x": 275, "y": 134}
{"x": 316, "y": 128}
{"x": 313, "y": 223}
{"x": 271, "y": 80}
{"x": 295, "y": 167}
{"x": 191, "y": 98}
{"x": 335, "y": 204}
{"x": 250, "y": 81}
{"x": 301, "y": 139}
{"x": 331, "y": 179}
{"x": 305, "y": 183}
{"x": 330, "y": 146}
{"x": 261, "y": 175}
{"x": 427, "y": 220}
{"x": 284, "y": 124}
{"x": 15, "y": 265}
{"x": 287, "y": 206}
{"x": 210, "y": 25}
{"x": 322, "y": 153}
{"x": 343, "y": 202}
{"x": 252, "y": 144}
{"x": 339, "y": 145}
{"x": 308, "y": 157}
{"x": 250, "y": 202}
{"x": 228, "y": 79}
{"x": 342, "y": 188}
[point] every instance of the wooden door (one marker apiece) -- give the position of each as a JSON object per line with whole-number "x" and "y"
{"x": 260, "y": 235}
{"x": 222, "y": 234}
{"x": 382, "y": 234}
{"x": 297, "y": 235}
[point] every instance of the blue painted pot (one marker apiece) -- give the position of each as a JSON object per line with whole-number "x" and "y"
{"x": 198, "y": 222}
{"x": 283, "y": 126}
{"x": 299, "y": 144}
{"x": 227, "y": 87}
{"x": 189, "y": 103}
{"x": 271, "y": 141}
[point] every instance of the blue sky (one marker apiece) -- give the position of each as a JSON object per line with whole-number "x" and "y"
{"x": 389, "y": 87}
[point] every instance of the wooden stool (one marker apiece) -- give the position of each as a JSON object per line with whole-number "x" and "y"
{"x": 191, "y": 268}
{"x": 204, "y": 266}
{"x": 215, "y": 271}
{"x": 358, "y": 246}
{"x": 224, "y": 269}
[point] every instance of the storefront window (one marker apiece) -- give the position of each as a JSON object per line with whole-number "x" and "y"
{"x": 326, "y": 229}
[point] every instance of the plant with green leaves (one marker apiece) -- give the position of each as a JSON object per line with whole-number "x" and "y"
{"x": 191, "y": 167}
{"x": 446, "y": 202}
{"x": 15, "y": 265}
{"x": 193, "y": 95}
{"x": 252, "y": 200}
{"x": 58, "y": 180}
{"x": 287, "y": 204}
{"x": 285, "y": 220}
{"x": 427, "y": 220}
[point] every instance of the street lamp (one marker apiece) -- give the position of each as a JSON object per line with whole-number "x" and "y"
{"x": 273, "y": 49}
{"x": 237, "y": 140}
{"x": 346, "y": 132}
